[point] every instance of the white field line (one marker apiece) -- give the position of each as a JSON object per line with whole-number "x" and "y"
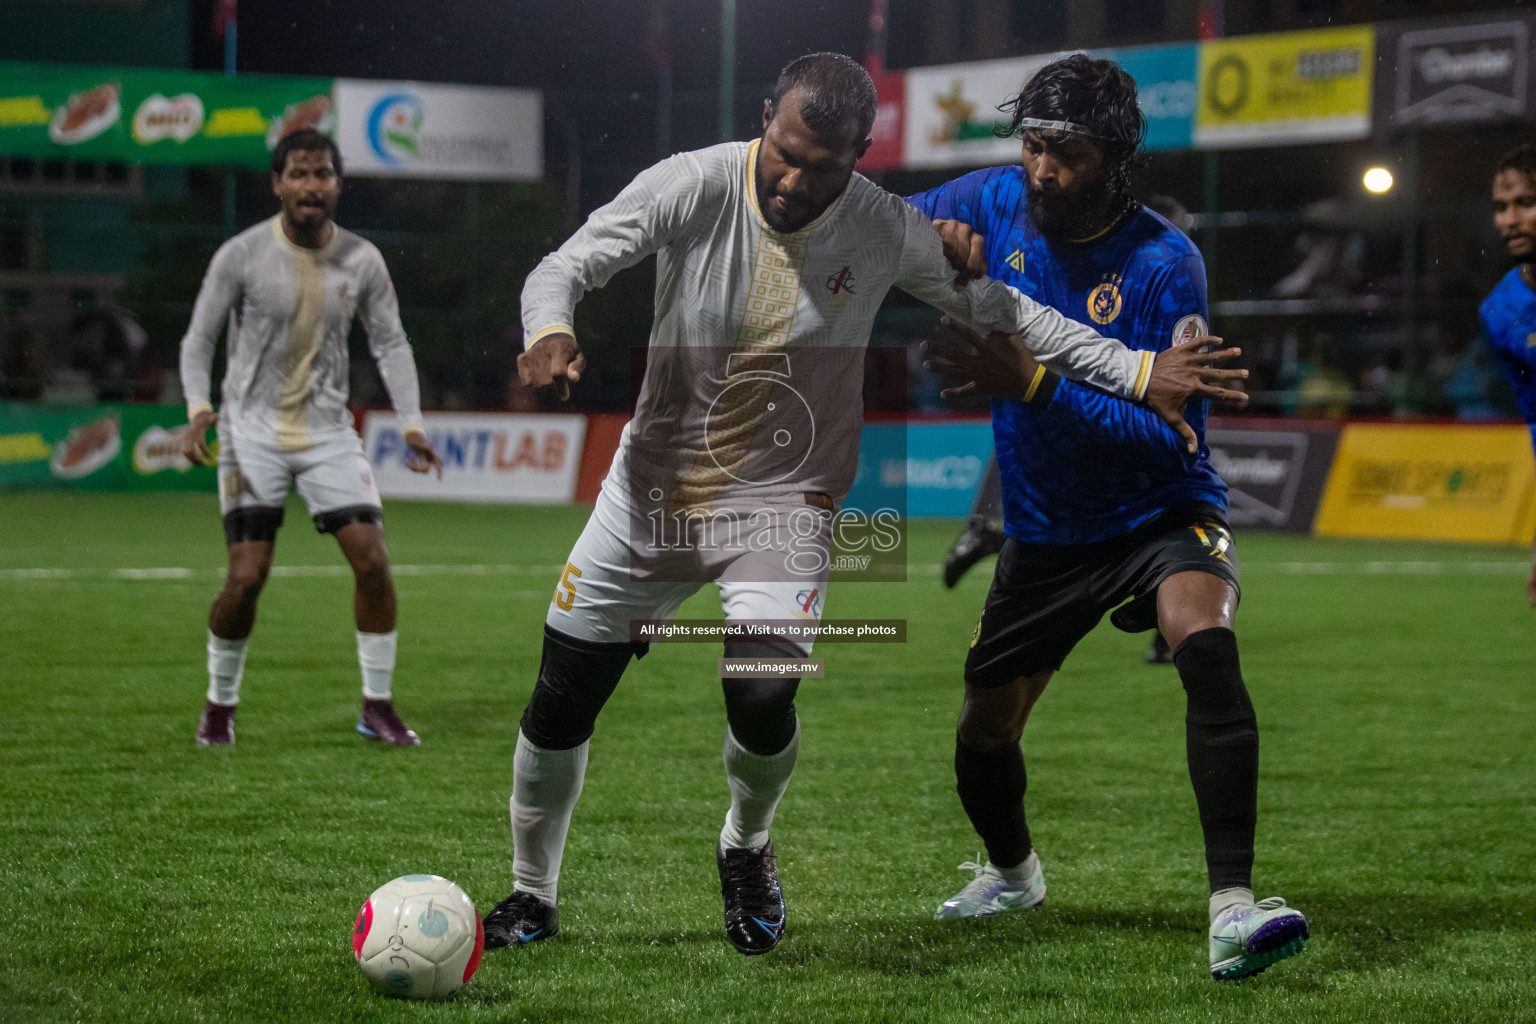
{"x": 1380, "y": 568}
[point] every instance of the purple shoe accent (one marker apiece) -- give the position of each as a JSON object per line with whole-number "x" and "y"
{"x": 1271, "y": 935}
{"x": 216, "y": 725}
{"x": 379, "y": 722}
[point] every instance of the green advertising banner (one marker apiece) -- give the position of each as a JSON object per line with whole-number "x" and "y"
{"x": 97, "y": 448}
{"x": 139, "y": 116}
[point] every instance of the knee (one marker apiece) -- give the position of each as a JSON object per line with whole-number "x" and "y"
{"x": 576, "y": 678}
{"x": 372, "y": 571}
{"x": 1213, "y": 681}
{"x": 984, "y": 733}
{"x": 244, "y": 582}
{"x": 761, "y": 710}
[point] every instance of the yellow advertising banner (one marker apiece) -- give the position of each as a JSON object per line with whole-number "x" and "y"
{"x": 1287, "y": 87}
{"x": 1457, "y": 482}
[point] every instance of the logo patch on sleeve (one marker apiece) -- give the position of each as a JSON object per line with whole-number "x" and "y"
{"x": 1189, "y": 328}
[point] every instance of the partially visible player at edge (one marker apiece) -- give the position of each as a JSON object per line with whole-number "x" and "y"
{"x": 1102, "y": 504}
{"x": 288, "y": 289}
{"x": 1509, "y": 313}
{"x": 746, "y": 235}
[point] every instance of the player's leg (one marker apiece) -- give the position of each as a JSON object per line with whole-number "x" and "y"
{"x": 586, "y": 650}
{"x": 1036, "y": 612}
{"x": 252, "y": 488}
{"x": 361, "y": 538}
{"x": 336, "y": 483}
{"x": 1195, "y": 610}
{"x": 991, "y": 780}
{"x": 983, "y": 535}
{"x": 762, "y": 743}
{"x": 762, "y": 737}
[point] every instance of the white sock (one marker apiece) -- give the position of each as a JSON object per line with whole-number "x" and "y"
{"x": 545, "y": 785}
{"x": 757, "y": 784}
{"x": 1021, "y": 871}
{"x": 1226, "y": 898}
{"x": 226, "y": 664}
{"x": 376, "y": 657}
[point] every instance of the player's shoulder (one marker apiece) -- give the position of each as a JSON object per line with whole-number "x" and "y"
{"x": 260, "y": 235}
{"x": 1157, "y": 242}
{"x": 1506, "y": 293}
{"x": 697, "y": 177}
{"x": 350, "y": 245}
{"x": 1002, "y": 181}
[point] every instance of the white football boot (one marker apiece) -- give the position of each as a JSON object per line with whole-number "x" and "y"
{"x": 990, "y": 893}
{"x": 1249, "y": 937}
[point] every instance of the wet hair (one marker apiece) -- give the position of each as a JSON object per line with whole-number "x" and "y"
{"x": 1521, "y": 159}
{"x": 304, "y": 140}
{"x": 1096, "y": 94}
{"x": 835, "y": 91}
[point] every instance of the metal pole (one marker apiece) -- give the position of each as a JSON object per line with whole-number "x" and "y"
{"x": 1410, "y": 264}
{"x": 727, "y": 70}
{"x": 1212, "y": 181}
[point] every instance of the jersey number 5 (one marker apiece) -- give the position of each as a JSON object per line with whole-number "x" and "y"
{"x": 565, "y": 591}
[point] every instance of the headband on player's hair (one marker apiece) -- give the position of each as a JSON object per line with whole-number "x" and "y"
{"x": 1058, "y": 126}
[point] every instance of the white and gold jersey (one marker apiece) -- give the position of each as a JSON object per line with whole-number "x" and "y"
{"x": 289, "y": 311}
{"x": 754, "y": 373}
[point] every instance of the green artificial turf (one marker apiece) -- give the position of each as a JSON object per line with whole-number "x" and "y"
{"x": 145, "y": 879}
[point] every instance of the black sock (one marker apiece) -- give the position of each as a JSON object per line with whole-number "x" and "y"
{"x": 1222, "y": 737}
{"x": 991, "y": 786}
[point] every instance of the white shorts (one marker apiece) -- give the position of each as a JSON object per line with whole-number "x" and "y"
{"x": 333, "y": 474}
{"x": 605, "y": 586}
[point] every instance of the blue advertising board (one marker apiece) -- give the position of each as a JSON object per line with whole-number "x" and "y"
{"x": 921, "y": 469}
{"x": 1165, "y": 85}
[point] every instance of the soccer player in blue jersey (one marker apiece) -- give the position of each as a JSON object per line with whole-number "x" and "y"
{"x": 1104, "y": 506}
{"x": 1509, "y": 312}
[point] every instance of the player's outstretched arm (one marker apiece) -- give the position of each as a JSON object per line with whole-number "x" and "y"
{"x": 218, "y": 295}
{"x": 1002, "y": 364}
{"x": 651, "y": 211}
{"x": 554, "y": 360}
{"x": 1063, "y": 345}
{"x": 379, "y": 309}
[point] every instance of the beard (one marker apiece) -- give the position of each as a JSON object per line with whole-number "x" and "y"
{"x": 1066, "y": 214}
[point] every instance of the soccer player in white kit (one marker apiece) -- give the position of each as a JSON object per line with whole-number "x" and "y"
{"x": 773, "y": 257}
{"x": 289, "y": 289}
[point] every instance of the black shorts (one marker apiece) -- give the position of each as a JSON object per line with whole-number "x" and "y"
{"x": 1047, "y": 597}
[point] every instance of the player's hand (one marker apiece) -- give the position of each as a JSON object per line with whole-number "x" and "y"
{"x": 995, "y": 364}
{"x": 194, "y": 443}
{"x": 422, "y": 456}
{"x": 554, "y": 360}
{"x": 1189, "y": 371}
{"x": 965, "y": 250}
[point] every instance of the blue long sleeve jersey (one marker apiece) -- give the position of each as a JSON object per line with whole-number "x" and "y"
{"x": 1509, "y": 323}
{"x": 1077, "y": 465}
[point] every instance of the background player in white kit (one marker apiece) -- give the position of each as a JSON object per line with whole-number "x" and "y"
{"x": 773, "y": 258}
{"x": 289, "y": 288}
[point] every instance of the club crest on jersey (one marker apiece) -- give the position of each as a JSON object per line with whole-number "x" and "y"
{"x": 841, "y": 282}
{"x": 1104, "y": 301}
{"x": 1530, "y": 340}
{"x": 342, "y": 294}
{"x": 1016, "y": 260}
{"x": 808, "y": 603}
{"x": 1189, "y": 328}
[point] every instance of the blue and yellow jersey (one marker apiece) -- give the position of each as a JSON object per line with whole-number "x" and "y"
{"x": 1509, "y": 323}
{"x": 1083, "y": 466}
